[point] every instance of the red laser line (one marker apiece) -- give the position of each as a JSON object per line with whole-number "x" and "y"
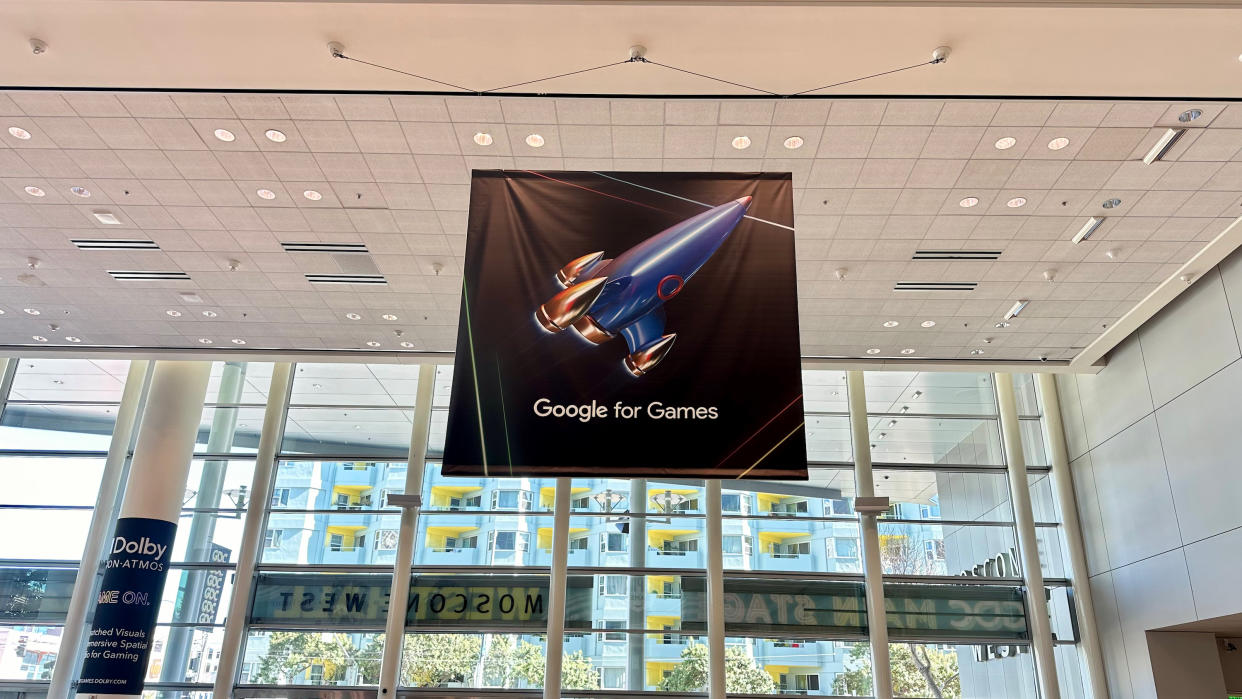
{"x": 761, "y": 429}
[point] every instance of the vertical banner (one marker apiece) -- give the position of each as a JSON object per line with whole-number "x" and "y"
{"x": 129, "y": 602}
{"x": 628, "y": 323}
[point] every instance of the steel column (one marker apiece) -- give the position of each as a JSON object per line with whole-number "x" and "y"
{"x": 252, "y": 530}
{"x": 868, "y": 529}
{"x": 555, "y": 647}
{"x": 399, "y": 593}
{"x": 636, "y": 679}
{"x": 1028, "y": 545}
{"x": 715, "y": 593}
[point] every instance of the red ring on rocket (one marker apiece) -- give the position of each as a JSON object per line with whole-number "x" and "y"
{"x": 666, "y": 295}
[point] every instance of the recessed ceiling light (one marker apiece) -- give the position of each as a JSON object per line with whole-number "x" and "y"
{"x": 794, "y": 142}
{"x": 1002, "y": 324}
{"x": 483, "y": 138}
{"x": 873, "y": 350}
{"x": 1, "y": 311}
{"x": 39, "y": 338}
{"x": 891, "y": 323}
{"x": 31, "y": 311}
{"x": 107, "y": 217}
{"x": 388, "y": 316}
{"x": 312, "y": 195}
{"x": 968, "y": 202}
{"x": 372, "y": 343}
{"x": 976, "y": 351}
{"x": 204, "y": 340}
{"x": 275, "y": 136}
{"x": 35, "y": 191}
{"x": 883, "y": 435}
{"x": 407, "y": 343}
{"x": 908, "y": 350}
{"x": 741, "y": 142}
{"x": 173, "y": 313}
{"x": 317, "y": 386}
{"x": 1016, "y": 202}
{"x": 1058, "y": 143}
{"x": 80, "y": 192}
{"x": 238, "y": 341}
{"x": 353, "y": 316}
{"x": 265, "y": 194}
{"x": 210, "y": 314}
{"x": 916, "y": 394}
{"x": 1189, "y": 115}
{"x": 1111, "y": 203}
{"x": 905, "y": 409}
{"x": 19, "y": 132}
{"x": 928, "y": 323}
{"x": 73, "y": 339}
{"x": 535, "y": 141}
{"x": 225, "y": 135}
{"x": 1006, "y": 143}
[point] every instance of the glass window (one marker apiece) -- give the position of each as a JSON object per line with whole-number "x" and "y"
{"x": 313, "y": 658}
{"x": 272, "y": 539}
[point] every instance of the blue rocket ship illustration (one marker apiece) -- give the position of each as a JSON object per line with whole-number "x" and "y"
{"x": 626, "y": 295}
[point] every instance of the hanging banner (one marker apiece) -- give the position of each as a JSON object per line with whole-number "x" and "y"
{"x": 127, "y": 607}
{"x": 628, "y": 324}
{"x": 515, "y": 602}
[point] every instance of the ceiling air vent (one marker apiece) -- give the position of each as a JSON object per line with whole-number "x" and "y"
{"x": 956, "y": 255}
{"x": 935, "y": 286}
{"x": 114, "y": 244}
{"x": 132, "y": 275}
{"x": 325, "y": 247}
{"x": 346, "y": 279}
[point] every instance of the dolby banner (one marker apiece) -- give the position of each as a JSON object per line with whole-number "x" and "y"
{"x": 628, "y": 324}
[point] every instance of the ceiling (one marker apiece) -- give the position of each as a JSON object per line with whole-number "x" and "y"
{"x": 876, "y": 181}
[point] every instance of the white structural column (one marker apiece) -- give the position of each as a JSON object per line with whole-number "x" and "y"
{"x": 142, "y": 541}
{"x": 1063, "y": 489}
{"x": 97, "y": 533}
{"x": 252, "y": 531}
{"x": 636, "y": 679}
{"x": 1028, "y": 544}
{"x": 557, "y": 591}
{"x": 399, "y": 592}
{"x": 873, "y": 571}
{"x": 715, "y": 593}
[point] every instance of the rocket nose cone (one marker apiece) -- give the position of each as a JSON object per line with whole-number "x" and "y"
{"x": 744, "y": 201}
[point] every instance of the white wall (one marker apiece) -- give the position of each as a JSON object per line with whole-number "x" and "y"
{"x": 1155, "y": 443}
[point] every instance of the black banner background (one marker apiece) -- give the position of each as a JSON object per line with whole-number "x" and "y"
{"x": 736, "y": 323}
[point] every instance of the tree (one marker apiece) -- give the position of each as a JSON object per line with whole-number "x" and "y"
{"x": 436, "y": 659}
{"x": 290, "y": 655}
{"x": 576, "y": 670}
{"x": 741, "y": 673}
{"x": 917, "y": 670}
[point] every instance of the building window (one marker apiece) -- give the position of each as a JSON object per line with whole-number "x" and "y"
{"x": 613, "y": 585}
{"x": 679, "y": 547}
{"x": 385, "y": 539}
{"x": 670, "y": 589}
{"x": 612, "y": 677}
{"x": 843, "y": 548}
{"x": 838, "y": 506}
{"x": 509, "y": 541}
{"x": 799, "y": 684}
{"x": 613, "y": 635}
{"x": 735, "y": 503}
{"x": 610, "y": 542}
{"x": 336, "y": 542}
{"x": 792, "y": 550}
{"x": 273, "y": 538}
{"x": 356, "y": 466}
{"x": 578, "y": 543}
{"x": 316, "y": 674}
{"x": 471, "y": 503}
{"x": 280, "y": 497}
{"x": 934, "y": 550}
{"x": 582, "y": 504}
{"x": 511, "y": 500}
{"x": 790, "y": 507}
{"x": 737, "y": 544}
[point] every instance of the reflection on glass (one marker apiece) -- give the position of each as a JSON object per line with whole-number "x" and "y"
{"x": 348, "y": 538}
{"x": 954, "y": 495}
{"x": 485, "y": 660}
{"x": 34, "y": 647}
{"x": 51, "y": 427}
{"x": 360, "y": 432}
{"x": 56, "y": 380}
{"x": 929, "y": 393}
{"x": 387, "y": 385}
{"x": 935, "y": 440}
{"x": 300, "y": 658}
{"x": 26, "y": 481}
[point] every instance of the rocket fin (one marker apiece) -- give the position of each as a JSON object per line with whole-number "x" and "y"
{"x": 644, "y": 331}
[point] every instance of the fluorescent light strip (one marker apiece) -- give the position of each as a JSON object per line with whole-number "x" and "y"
{"x": 956, "y": 255}
{"x": 114, "y": 244}
{"x": 1163, "y": 145}
{"x": 935, "y": 286}
{"x": 325, "y": 247}
{"x": 135, "y": 275}
{"x": 1088, "y": 228}
{"x": 346, "y": 279}
{"x": 1017, "y": 308}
